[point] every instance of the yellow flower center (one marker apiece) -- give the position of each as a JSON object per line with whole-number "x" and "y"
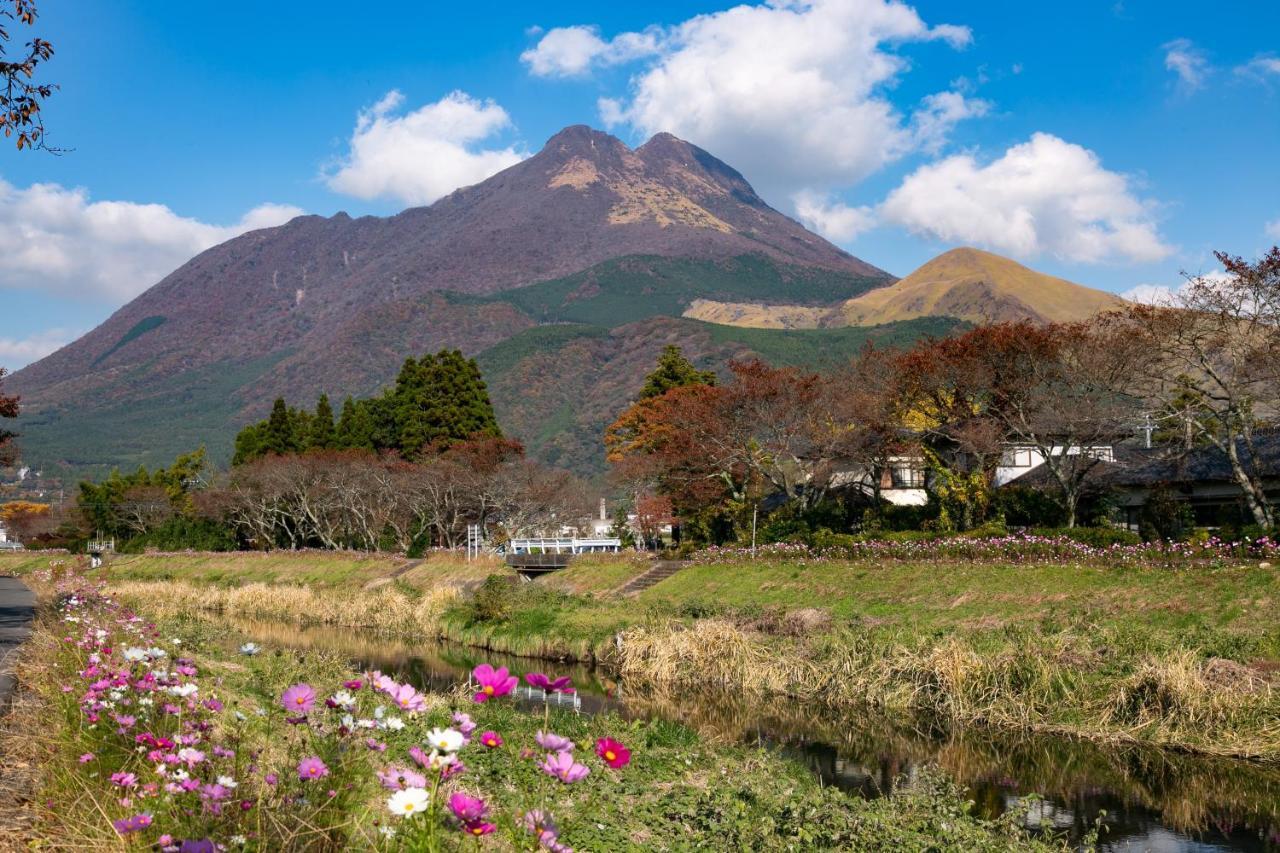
{"x": 300, "y": 700}
{"x": 609, "y": 755}
{"x": 408, "y": 806}
{"x": 488, "y": 690}
{"x": 477, "y": 831}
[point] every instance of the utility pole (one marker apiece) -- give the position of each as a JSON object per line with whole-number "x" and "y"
{"x": 755, "y": 510}
{"x": 1148, "y": 427}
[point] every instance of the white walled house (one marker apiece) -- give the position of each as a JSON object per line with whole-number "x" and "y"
{"x": 901, "y": 481}
{"x": 1020, "y": 460}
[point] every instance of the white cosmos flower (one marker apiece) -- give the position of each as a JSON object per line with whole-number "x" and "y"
{"x": 184, "y": 690}
{"x": 134, "y": 654}
{"x": 250, "y": 649}
{"x": 156, "y": 652}
{"x": 395, "y": 724}
{"x": 446, "y": 740}
{"x": 408, "y": 802}
{"x": 343, "y": 699}
{"x": 226, "y": 781}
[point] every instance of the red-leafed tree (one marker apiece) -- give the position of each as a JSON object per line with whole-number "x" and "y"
{"x": 8, "y": 409}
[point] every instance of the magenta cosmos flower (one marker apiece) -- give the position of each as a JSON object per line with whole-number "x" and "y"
{"x": 298, "y": 699}
{"x": 492, "y": 682}
{"x": 491, "y": 739}
{"x": 614, "y": 754}
{"x": 467, "y": 808}
{"x": 478, "y": 828}
{"x": 550, "y": 685}
{"x": 553, "y": 742}
{"x": 562, "y": 766}
{"x": 138, "y": 822}
{"x": 312, "y": 768}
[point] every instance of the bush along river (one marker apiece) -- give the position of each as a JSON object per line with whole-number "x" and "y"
{"x": 1143, "y": 798}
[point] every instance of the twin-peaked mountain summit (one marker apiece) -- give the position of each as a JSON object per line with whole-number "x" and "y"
{"x": 565, "y": 274}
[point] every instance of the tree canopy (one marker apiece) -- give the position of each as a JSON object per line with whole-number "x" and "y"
{"x": 674, "y": 371}
{"x": 437, "y": 401}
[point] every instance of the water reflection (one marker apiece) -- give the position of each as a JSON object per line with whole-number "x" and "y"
{"x": 1153, "y": 799}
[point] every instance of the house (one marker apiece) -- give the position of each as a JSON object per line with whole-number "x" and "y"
{"x": 1019, "y": 460}
{"x": 900, "y": 481}
{"x": 1201, "y": 478}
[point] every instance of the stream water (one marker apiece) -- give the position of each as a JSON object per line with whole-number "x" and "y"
{"x": 1153, "y": 799}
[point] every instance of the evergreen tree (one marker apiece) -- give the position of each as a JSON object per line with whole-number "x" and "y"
{"x": 674, "y": 371}
{"x": 322, "y": 435}
{"x": 279, "y": 436}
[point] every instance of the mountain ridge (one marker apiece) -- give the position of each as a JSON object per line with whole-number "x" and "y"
{"x": 965, "y": 283}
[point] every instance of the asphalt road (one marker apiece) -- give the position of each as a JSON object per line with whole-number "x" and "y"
{"x": 17, "y": 609}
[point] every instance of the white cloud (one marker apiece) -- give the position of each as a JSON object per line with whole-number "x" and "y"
{"x": 56, "y": 240}
{"x": 571, "y": 51}
{"x": 423, "y": 154}
{"x": 1044, "y": 196}
{"x": 1260, "y": 67}
{"x": 1188, "y": 62}
{"x": 1160, "y": 294}
{"x": 1273, "y": 229}
{"x": 16, "y": 353}
{"x": 838, "y": 222}
{"x": 790, "y": 92}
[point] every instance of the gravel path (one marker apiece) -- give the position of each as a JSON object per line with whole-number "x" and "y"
{"x": 17, "y": 609}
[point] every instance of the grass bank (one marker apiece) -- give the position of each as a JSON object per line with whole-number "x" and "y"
{"x": 1182, "y": 657}
{"x": 101, "y": 681}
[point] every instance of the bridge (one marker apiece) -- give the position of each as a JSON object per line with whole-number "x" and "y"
{"x": 532, "y": 557}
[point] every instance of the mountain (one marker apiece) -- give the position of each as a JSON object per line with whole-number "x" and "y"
{"x": 587, "y": 231}
{"x": 967, "y": 284}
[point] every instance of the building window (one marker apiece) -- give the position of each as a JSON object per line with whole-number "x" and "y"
{"x": 1018, "y": 457}
{"x": 907, "y": 477}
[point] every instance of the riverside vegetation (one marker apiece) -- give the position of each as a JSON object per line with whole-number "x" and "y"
{"x": 1177, "y": 650}
{"x": 166, "y": 737}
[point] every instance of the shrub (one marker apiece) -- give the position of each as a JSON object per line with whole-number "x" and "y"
{"x": 1094, "y": 537}
{"x": 1023, "y": 506}
{"x": 1165, "y": 517}
{"x": 495, "y": 598}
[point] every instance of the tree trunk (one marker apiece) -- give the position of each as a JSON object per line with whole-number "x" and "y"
{"x": 1254, "y": 497}
{"x": 1071, "y": 500}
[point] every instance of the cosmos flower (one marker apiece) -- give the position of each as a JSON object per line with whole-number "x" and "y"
{"x": 553, "y": 742}
{"x": 614, "y": 754}
{"x": 550, "y": 685}
{"x": 491, "y": 739}
{"x": 562, "y": 766}
{"x": 298, "y": 699}
{"x": 408, "y": 802}
{"x": 467, "y": 808}
{"x": 312, "y": 768}
{"x": 398, "y": 778}
{"x": 492, "y": 682}
{"x": 446, "y": 740}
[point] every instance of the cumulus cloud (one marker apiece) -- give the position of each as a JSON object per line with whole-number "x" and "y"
{"x": 790, "y": 92}
{"x": 1273, "y": 229}
{"x": 16, "y": 353}
{"x": 572, "y": 51}
{"x": 57, "y": 240}
{"x": 1188, "y": 62}
{"x": 419, "y": 156}
{"x": 1044, "y": 196}
{"x": 837, "y": 222}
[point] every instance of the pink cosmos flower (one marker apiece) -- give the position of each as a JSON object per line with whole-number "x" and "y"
{"x": 466, "y": 808}
{"x": 407, "y": 699}
{"x": 353, "y": 684}
{"x": 312, "y": 768}
{"x": 126, "y": 825}
{"x": 478, "y": 828}
{"x": 491, "y": 739}
{"x": 86, "y": 758}
{"x": 614, "y": 754}
{"x": 553, "y": 742}
{"x": 562, "y": 766}
{"x": 397, "y": 778}
{"x": 550, "y": 685}
{"x": 299, "y": 699}
{"x": 463, "y": 723}
{"x": 375, "y": 745}
{"x": 492, "y": 682}
{"x": 541, "y": 826}
{"x": 124, "y": 780}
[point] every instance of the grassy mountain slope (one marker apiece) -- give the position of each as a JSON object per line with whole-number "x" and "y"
{"x": 968, "y": 284}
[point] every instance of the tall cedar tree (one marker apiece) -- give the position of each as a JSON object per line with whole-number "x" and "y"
{"x": 437, "y": 401}
{"x": 673, "y": 371}
{"x": 8, "y": 409}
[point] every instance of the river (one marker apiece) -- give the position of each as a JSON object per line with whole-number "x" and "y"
{"x": 1146, "y": 798}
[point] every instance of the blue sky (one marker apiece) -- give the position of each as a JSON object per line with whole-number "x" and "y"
{"x": 1114, "y": 144}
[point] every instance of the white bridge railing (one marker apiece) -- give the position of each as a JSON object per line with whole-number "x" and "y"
{"x": 565, "y": 545}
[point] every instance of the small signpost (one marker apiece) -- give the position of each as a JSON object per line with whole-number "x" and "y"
{"x": 475, "y": 540}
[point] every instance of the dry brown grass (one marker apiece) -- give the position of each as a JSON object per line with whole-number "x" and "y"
{"x": 386, "y": 609}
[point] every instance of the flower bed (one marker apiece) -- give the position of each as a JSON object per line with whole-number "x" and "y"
{"x": 178, "y": 743}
